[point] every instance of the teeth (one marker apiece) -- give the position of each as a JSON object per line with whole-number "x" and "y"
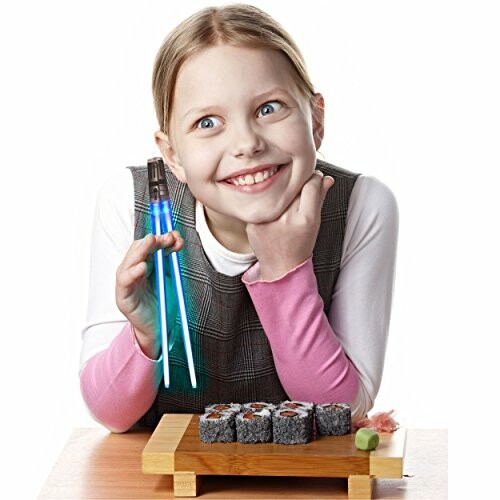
{"x": 249, "y": 179}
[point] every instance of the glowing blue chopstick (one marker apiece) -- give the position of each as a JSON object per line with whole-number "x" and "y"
{"x": 160, "y": 290}
{"x": 166, "y": 211}
{"x": 161, "y": 218}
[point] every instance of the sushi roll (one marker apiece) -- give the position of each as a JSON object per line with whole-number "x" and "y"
{"x": 234, "y": 407}
{"x": 333, "y": 419}
{"x": 259, "y": 405}
{"x": 292, "y": 426}
{"x": 217, "y": 427}
{"x": 292, "y": 405}
{"x": 254, "y": 426}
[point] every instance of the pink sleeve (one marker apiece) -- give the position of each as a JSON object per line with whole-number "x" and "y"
{"x": 309, "y": 358}
{"x": 120, "y": 383}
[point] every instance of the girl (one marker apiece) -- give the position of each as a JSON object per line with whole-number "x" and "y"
{"x": 287, "y": 261}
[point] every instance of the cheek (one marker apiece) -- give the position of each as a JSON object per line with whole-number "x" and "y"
{"x": 200, "y": 164}
{"x": 296, "y": 137}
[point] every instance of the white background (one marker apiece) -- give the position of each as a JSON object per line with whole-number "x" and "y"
{"x": 412, "y": 97}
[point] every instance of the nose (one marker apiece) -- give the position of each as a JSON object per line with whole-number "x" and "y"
{"x": 247, "y": 142}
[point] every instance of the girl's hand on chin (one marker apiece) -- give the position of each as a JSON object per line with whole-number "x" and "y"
{"x": 283, "y": 244}
{"x": 134, "y": 295}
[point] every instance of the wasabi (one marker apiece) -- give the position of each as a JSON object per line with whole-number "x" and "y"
{"x": 366, "y": 439}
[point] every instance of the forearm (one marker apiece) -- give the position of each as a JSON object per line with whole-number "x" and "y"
{"x": 308, "y": 356}
{"x": 120, "y": 383}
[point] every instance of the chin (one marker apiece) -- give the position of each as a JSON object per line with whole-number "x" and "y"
{"x": 268, "y": 212}
{"x": 262, "y": 218}
{"x": 259, "y": 220}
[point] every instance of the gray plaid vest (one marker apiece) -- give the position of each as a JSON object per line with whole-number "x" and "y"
{"x": 233, "y": 359}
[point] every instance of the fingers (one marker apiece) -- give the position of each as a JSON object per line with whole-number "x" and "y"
{"x": 326, "y": 182}
{"x": 128, "y": 277}
{"x": 314, "y": 192}
{"x": 177, "y": 243}
{"x": 137, "y": 263}
{"x": 140, "y": 249}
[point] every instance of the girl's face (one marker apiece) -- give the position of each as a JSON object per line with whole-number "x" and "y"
{"x": 241, "y": 134}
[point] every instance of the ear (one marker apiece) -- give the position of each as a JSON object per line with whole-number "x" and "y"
{"x": 171, "y": 158}
{"x": 318, "y": 119}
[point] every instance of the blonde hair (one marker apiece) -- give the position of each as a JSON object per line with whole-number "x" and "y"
{"x": 237, "y": 24}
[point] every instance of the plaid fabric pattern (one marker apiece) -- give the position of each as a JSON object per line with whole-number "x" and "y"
{"x": 233, "y": 359}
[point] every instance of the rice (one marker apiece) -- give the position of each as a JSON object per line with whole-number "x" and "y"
{"x": 292, "y": 426}
{"x": 254, "y": 426}
{"x": 217, "y": 427}
{"x": 333, "y": 419}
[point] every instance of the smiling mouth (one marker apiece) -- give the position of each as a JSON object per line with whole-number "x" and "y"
{"x": 257, "y": 178}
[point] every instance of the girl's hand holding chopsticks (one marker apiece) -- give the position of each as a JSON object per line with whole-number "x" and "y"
{"x": 135, "y": 297}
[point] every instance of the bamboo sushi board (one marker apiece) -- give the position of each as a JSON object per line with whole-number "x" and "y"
{"x": 175, "y": 449}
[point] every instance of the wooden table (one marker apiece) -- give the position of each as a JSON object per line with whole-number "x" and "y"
{"x": 96, "y": 465}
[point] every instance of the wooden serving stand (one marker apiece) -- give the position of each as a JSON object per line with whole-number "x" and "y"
{"x": 175, "y": 449}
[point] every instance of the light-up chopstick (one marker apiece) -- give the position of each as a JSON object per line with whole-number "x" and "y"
{"x": 161, "y": 221}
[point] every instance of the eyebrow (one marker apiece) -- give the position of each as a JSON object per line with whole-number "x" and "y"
{"x": 199, "y": 111}
{"x": 259, "y": 97}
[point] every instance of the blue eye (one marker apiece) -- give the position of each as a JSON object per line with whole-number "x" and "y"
{"x": 208, "y": 122}
{"x": 269, "y": 108}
